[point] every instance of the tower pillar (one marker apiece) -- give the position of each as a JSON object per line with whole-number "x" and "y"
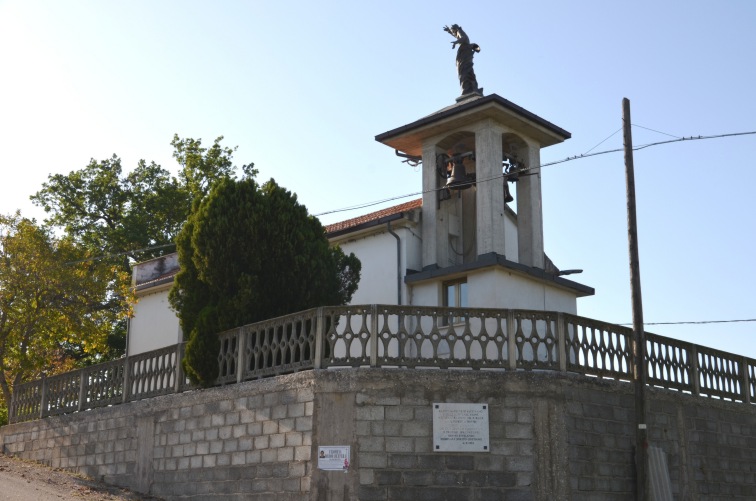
{"x": 489, "y": 191}
{"x": 530, "y": 211}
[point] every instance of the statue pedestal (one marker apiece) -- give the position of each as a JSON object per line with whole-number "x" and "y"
{"x": 470, "y": 95}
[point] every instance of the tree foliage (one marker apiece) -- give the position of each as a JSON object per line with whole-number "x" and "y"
{"x": 201, "y": 167}
{"x": 52, "y": 296}
{"x": 111, "y": 212}
{"x": 249, "y": 253}
{"x": 123, "y": 217}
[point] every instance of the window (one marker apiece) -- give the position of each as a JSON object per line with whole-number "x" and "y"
{"x": 455, "y": 296}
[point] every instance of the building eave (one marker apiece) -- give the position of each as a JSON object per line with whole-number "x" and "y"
{"x": 408, "y": 138}
{"x": 496, "y": 260}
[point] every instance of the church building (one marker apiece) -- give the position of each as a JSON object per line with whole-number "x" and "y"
{"x": 474, "y": 239}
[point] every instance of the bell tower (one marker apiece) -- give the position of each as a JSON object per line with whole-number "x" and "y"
{"x": 479, "y": 157}
{"x": 482, "y": 218}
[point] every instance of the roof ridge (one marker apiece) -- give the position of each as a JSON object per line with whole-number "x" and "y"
{"x": 373, "y": 216}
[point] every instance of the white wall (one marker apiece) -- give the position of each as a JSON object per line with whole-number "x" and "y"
{"x": 413, "y": 248}
{"x": 499, "y": 288}
{"x": 377, "y": 253}
{"x": 154, "y": 324}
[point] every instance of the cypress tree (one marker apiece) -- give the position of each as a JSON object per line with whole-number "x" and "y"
{"x": 249, "y": 253}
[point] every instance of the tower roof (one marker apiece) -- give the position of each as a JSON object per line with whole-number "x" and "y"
{"x": 409, "y": 138}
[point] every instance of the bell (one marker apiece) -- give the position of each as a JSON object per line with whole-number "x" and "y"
{"x": 507, "y": 194}
{"x": 458, "y": 179}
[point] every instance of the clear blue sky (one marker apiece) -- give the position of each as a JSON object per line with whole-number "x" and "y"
{"x": 302, "y": 88}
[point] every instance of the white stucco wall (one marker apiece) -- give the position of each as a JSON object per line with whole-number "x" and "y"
{"x": 377, "y": 253}
{"x": 499, "y": 288}
{"x": 154, "y": 324}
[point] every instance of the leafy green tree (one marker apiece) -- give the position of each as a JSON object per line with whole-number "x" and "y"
{"x": 134, "y": 216}
{"x": 52, "y": 295}
{"x": 249, "y": 253}
{"x": 112, "y": 213}
{"x": 201, "y": 167}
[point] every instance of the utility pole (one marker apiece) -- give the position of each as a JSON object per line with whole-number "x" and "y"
{"x": 639, "y": 335}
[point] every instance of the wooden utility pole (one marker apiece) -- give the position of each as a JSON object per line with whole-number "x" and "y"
{"x": 639, "y": 335}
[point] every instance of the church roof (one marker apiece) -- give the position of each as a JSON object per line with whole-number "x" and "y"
{"x": 373, "y": 218}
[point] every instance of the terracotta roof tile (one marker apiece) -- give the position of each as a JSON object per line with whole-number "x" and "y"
{"x": 373, "y": 216}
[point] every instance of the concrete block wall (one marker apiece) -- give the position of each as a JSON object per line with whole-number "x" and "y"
{"x": 257, "y": 442}
{"x": 553, "y": 436}
{"x": 103, "y": 445}
{"x": 253, "y": 438}
{"x": 393, "y": 433}
{"x": 600, "y": 419}
{"x": 711, "y": 449}
{"x": 397, "y": 462}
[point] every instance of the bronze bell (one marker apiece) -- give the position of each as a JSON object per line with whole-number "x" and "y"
{"x": 458, "y": 179}
{"x": 507, "y": 194}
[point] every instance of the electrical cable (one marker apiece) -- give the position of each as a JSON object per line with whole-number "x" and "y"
{"x": 697, "y": 322}
{"x": 116, "y": 254}
{"x": 606, "y": 139}
{"x": 654, "y": 130}
{"x": 568, "y": 159}
{"x": 522, "y": 171}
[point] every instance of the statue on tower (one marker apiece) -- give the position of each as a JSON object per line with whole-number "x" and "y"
{"x": 465, "y": 54}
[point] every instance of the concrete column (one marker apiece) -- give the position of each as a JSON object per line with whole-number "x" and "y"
{"x": 489, "y": 188}
{"x": 551, "y": 472}
{"x": 530, "y": 211}
{"x": 145, "y": 453}
{"x": 430, "y": 205}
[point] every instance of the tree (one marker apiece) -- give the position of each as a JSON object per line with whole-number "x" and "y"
{"x": 110, "y": 213}
{"x": 52, "y": 296}
{"x": 249, "y": 253}
{"x": 201, "y": 167}
{"x": 132, "y": 217}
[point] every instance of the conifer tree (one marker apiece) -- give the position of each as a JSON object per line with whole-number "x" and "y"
{"x": 250, "y": 253}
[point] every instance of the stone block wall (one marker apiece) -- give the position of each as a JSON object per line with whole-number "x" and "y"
{"x": 254, "y": 438}
{"x": 600, "y": 440}
{"x": 553, "y": 436}
{"x": 710, "y": 448}
{"x": 394, "y": 434}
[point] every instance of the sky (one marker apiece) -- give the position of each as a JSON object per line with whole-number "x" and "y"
{"x": 302, "y": 89}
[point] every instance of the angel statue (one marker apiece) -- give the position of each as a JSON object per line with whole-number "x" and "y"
{"x": 465, "y": 54}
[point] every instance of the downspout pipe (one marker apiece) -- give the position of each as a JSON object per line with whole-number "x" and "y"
{"x": 398, "y": 264}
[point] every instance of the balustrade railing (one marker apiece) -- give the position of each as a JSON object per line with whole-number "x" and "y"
{"x": 131, "y": 378}
{"x": 404, "y": 337}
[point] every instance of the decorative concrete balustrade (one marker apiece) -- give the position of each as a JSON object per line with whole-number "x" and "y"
{"x": 408, "y": 337}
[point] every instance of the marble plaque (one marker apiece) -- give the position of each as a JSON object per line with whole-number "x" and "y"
{"x": 460, "y": 427}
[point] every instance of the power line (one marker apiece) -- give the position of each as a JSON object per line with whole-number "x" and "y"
{"x": 700, "y": 322}
{"x": 124, "y": 253}
{"x": 643, "y": 146}
{"x": 605, "y": 139}
{"x": 634, "y": 125}
{"x": 548, "y": 164}
{"x": 654, "y": 130}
